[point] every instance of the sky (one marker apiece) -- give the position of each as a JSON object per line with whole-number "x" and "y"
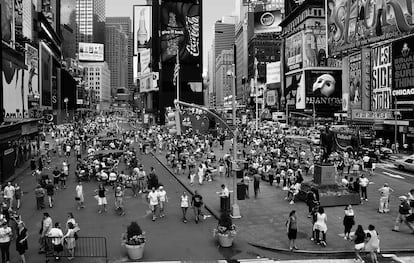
{"x": 213, "y": 10}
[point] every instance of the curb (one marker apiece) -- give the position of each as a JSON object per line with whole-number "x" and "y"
{"x": 328, "y": 252}
{"x": 184, "y": 185}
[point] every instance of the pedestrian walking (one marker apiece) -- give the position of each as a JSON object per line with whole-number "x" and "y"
{"x": 359, "y": 241}
{"x": 363, "y": 182}
{"x": 403, "y": 213}
{"x": 119, "y": 200}
{"x": 153, "y": 200}
{"x": 5, "y": 238}
{"x": 56, "y": 177}
{"x": 163, "y": 199}
{"x": 349, "y": 221}
{"x": 55, "y": 235}
{"x": 50, "y": 191}
{"x": 8, "y": 193}
{"x": 256, "y": 183}
{"x": 134, "y": 182}
{"x": 18, "y": 193}
{"x": 184, "y": 205}
{"x": 79, "y": 197}
{"x": 46, "y": 226}
{"x": 320, "y": 227}
{"x": 21, "y": 241}
{"x": 141, "y": 180}
{"x": 384, "y": 202}
{"x": 200, "y": 173}
{"x": 411, "y": 200}
{"x": 101, "y": 197}
{"x": 372, "y": 244}
{"x": 246, "y": 181}
{"x": 292, "y": 230}
{"x": 40, "y": 197}
{"x": 69, "y": 240}
{"x": 197, "y": 203}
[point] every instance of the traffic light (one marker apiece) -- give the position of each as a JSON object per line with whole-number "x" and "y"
{"x": 173, "y": 122}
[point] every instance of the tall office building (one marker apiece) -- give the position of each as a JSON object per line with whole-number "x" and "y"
{"x": 68, "y": 28}
{"x": 90, "y": 20}
{"x": 116, "y": 55}
{"x": 98, "y": 80}
{"x": 224, "y": 83}
{"x": 125, "y": 26}
{"x": 224, "y": 35}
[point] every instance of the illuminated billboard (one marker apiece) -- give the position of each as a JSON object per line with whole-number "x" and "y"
{"x": 267, "y": 22}
{"x": 381, "y": 79}
{"x": 353, "y": 24}
{"x": 91, "y": 52}
{"x": 142, "y": 38}
{"x": 403, "y": 69}
{"x": 7, "y": 22}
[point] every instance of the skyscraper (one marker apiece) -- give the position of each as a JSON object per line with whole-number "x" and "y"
{"x": 90, "y": 20}
{"x": 116, "y": 55}
{"x": 124, "y": 24}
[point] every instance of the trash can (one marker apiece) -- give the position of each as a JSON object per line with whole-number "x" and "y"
{"x": 239, "y": 173}
{"x": 241, "y": 191}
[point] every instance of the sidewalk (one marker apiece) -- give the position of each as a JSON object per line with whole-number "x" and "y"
{"x": 263, "y": 219}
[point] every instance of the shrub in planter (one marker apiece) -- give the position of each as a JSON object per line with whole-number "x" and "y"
{"x": 225, "y": 230}
{"x": 134, "y": 241}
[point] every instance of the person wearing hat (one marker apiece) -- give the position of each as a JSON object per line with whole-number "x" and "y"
{"x": 385, "y": 192}
{"x": 162, "y": 196}
{"x": 403, "y": 213}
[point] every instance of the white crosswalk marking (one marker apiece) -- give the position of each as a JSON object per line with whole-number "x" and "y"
{"x": 393, "y": 175}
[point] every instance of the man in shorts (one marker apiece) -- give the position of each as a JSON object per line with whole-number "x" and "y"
{"x": 153, "y": 199}
{"x": 197, "y": 204}
{"x": 55, "y": 235}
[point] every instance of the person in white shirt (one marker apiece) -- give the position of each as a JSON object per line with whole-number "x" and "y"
{"x": 47, "y": 225}
{"x": 385, "y": 192}
{"x": 224, "y": 199}
{"x": 5, "y": 238}
{"x": 79, "y": 195}
{"x": 153, "y": 199}
{"x": 363, "y": 182}
{"x": 9, "y": 191}
{"x": 162, "y": 197}
{"x": 56, "y": 236}
{"x": 184, "y": 205}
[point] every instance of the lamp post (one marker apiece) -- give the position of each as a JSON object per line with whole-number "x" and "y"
{"x": 66, "y": 100}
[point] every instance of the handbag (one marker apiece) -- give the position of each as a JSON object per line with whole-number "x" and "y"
{"x": 77, "y": 198}
{"x": 96, "y": 197}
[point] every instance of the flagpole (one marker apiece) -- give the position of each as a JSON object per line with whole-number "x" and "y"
{"x": 178, "y": 76}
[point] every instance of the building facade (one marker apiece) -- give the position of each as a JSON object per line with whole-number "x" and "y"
{"x": 224, "y": 83}
{"x": 99, "y": 81}
{"x": 90, "y": 20}
{"x": 116, "y": 55}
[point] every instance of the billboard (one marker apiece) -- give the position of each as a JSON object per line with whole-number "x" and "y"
{"x": 381, "y": 77}
{"x": 366, "y": 78}
{"x": 357, "y": 23}
{"x": 31, "y": 77}
{"x": 49, "y": 9}
{"x": 294, "y": 91}
{"x": 293, "y": 51}
{"x": 267, "y": 22}
{"x": 18, "y": 17}
{"x": 273, "y": 72}
{"x": 12, "y": 77}
{"x": 181, "y": 31}
{"x": 27, "y": 19}
{"x": 91, "y": 52}
{"x": 142, "y": 27}
{"x": 324, "y": 90}
{"x": 355, "y": 88}
{"x": 403, "y": 69}
{"x": 45, "y": 75}
{"x": 7, "y": 22}
{"x": 314, "y": 48}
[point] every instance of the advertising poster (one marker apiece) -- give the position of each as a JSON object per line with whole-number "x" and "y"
{"x": 271, "y": 97}
{"x": 181, "y": 30}
{"x": 294, "y": 83}
{"x": 91, "y": 52}
{"x": 314, "y": 45}
{"x": 273, "y": 72}
{"x": 324, "y": 90}
{"x": 381, "y": 78}
{"x": 45, "y": 74}
{"x": 403, "y": 69}
{"x": 27, "y": 19}
{"x": 49, "y": 10}
{"x": 12, "y": 90}
{"x": 18, "y": 17}
{"x": 355, "y": 89}
{"x": 267, "y": 22}
{"x": 7, "y": 22}
{"x": 345, "y": 84}
{"x": 366, "y": 78}
{"x": 142, "y": 27}
{"x": 361, "y": 22}
{"x": 293, "y": 51}
{"x": 31, "y": 76}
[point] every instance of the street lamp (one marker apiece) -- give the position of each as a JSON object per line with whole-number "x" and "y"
{"x": 66, "y": 100}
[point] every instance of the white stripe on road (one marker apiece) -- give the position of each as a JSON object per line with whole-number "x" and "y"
{"x": 393, "y": 175}
{"x": 401, "y": 173}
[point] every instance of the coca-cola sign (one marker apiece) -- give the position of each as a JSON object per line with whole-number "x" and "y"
{"x": 193, "y": 27}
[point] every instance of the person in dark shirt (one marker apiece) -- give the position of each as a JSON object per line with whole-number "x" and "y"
{"x": 56, "y": 177}
{"x": 197, "y": 203}
{"x": 50, "y": 191}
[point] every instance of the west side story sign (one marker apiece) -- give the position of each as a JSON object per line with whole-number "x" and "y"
{"x": 381, "y": 77}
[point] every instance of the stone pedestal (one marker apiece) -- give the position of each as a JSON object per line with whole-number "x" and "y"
{"x": 324, "y": 174}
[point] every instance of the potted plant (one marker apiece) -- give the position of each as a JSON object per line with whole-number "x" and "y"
{"x": 225, "y": 230}
{"x": 134, "y": 241}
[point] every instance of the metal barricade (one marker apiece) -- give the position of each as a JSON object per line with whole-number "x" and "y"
{"x": 85, "y": 247}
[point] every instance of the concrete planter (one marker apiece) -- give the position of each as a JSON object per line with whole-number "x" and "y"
{"x": 225, "y": 240}
{"x": 135, "y": 252}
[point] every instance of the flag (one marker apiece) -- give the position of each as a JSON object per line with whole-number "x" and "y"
{"x": 176, "y": 69}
